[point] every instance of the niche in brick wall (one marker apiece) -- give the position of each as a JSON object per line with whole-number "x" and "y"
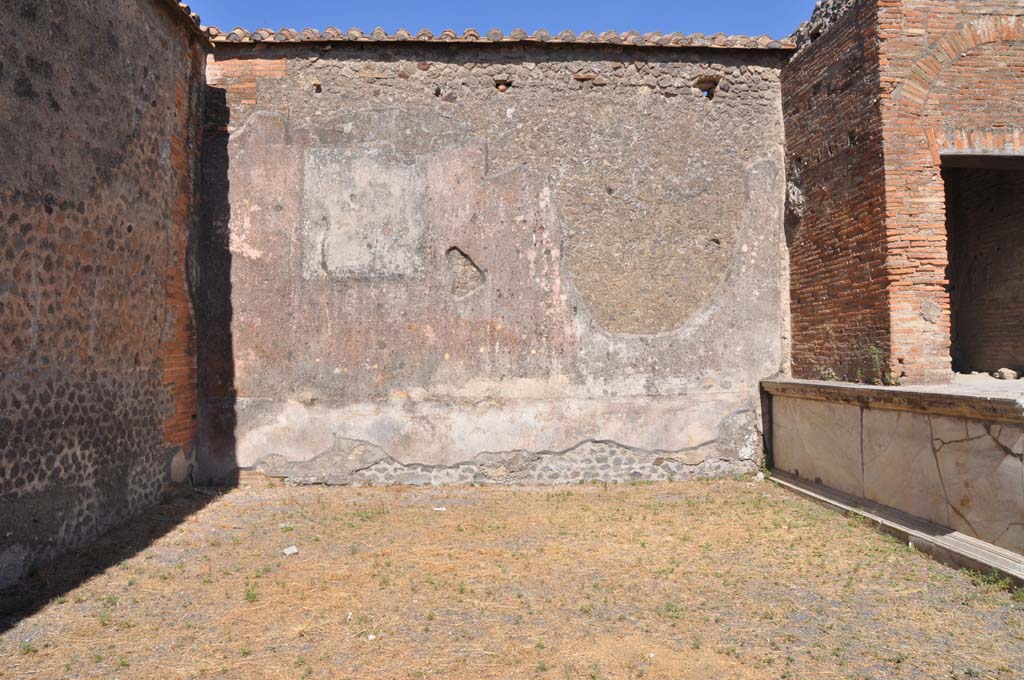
{"x": 985, "y": 230}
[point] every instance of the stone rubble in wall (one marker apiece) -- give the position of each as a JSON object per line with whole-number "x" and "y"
{"x": 648, "y": 120}
{"x": 587, "y": 462}
{"x": 826, "y": 13}
{"x": 746, "y": 85}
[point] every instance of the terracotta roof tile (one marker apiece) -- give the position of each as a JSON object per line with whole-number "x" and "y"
{"x": 187, "y": 17}
{"x": 655, "y": 39}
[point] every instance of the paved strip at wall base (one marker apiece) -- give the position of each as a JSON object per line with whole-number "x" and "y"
{"x": 946, "y": 546}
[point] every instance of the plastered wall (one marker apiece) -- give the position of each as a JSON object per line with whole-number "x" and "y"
{"x": 433, "y": 263}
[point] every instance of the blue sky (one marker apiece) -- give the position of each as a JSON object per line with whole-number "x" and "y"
{"x": 752, "y": 17}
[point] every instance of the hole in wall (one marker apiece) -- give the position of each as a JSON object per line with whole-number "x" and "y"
{"x": 445, "y": 93}
{"x": 466, "y": 276}
{"x": 317, "y": 87}
{"x": 502, "y": 84}
{"x": 708, "y": 86}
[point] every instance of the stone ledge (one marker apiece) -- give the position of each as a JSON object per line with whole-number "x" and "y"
{"x": 947, "y": 400}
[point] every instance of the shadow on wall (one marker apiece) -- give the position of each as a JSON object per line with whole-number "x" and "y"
{"x": 209, "y": 279}
{"x": 212, "y": 299}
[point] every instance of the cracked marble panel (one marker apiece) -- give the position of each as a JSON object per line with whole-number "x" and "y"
{"x": 961, "y": 473}
{"x": 900, "y": 468}
{"x": 983, "y": 479}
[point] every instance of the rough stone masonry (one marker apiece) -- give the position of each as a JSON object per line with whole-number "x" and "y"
{"x": 100, "y": 115}
{"x": 490, "y": 262}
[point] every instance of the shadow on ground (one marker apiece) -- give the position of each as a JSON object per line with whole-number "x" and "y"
{"x": 734, "y": 579}
{"x": 76, "y": 567}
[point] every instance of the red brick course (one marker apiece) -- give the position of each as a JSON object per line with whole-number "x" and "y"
{"x": 179, "y": 347}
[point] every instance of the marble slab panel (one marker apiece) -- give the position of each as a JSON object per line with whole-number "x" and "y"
{"x": 819, "y": 441}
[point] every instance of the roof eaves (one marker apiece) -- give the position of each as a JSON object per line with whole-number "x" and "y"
{"x": 628, "y": 38}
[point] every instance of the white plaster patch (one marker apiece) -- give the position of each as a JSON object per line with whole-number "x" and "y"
{"x": 362, "y": 215}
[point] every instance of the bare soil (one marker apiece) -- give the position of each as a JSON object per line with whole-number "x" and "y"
{"x": 724, "y": 579}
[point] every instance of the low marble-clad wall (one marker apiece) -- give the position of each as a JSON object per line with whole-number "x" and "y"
{"x": 955, "y": 458}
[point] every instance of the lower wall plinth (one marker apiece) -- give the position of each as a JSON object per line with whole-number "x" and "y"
{"x": 553, "y": 441}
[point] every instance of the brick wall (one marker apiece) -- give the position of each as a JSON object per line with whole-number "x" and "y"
{"x": 179, "y": 341}
{"x": 869, "y": 261}
{"x": 951, "y": 83}
{"x": 836, "y": 220}
{"x": 101, "y": 102}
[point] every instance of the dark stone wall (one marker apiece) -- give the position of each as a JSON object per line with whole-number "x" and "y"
{"x": 458, "y": 262}
{"x": 99, "y": 105}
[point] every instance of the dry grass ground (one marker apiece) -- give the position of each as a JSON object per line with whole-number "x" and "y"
{"x": 728, "y": 579}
